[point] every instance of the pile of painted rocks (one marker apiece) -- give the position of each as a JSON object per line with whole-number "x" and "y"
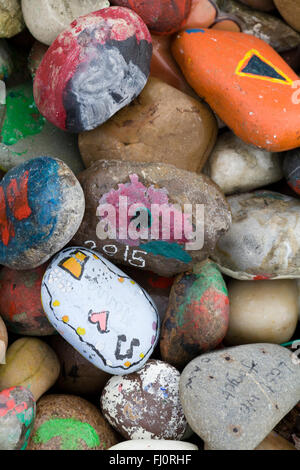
{"x": 149, "y": 224}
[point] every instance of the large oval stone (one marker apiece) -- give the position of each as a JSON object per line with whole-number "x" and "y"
{"x": 93, "y": 69}
{"x": 100, "y": 311}
{"x": 141, "y": 198}
{"x": 41, "y": 207}
{"x": 233, "y": 398}
{"x": 264, "y": 239}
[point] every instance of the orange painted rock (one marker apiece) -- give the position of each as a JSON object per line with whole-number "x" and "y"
{"x": 202, "y": 14}
{"x": 245, "y": 82}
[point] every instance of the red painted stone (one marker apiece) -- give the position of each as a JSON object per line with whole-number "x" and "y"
{"x": 20, "y": 302}
{"x": 161, "y": 16}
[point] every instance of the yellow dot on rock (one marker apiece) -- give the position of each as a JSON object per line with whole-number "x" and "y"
{"x": 96, "y": 257}
{"x": 121, "y": 279}
{"x": 80, "y": 331}
{"x": 127, "y": 364}
{"x": 56, "y": 303}
{"x": 142, "y": 355}
{"x": 65, "y": 318}
{"x": 132, "y": 282}
{"x": 80, "y": 256}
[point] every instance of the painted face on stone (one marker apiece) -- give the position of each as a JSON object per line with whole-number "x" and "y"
{"x": 107, "y": 80}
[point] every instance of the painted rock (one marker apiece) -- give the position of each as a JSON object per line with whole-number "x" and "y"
{"x": 290, "y": 10}
{"x": 161, "y": 16}
{"x": 264, "y": 239}
{"x": 77, "y": 375}
{"x": 20, "y": 302}
{"x": 197, "y": 316}
{"x": 153, "y": 444}
{"x": 17, "y": 413}
{"x": 262, "y": 25}
{"x": 45, "y": 19}
{"x": 161, "y": 125}
{"x": 158, "y": 287}
{"x": 26, "y": 134}
{"x": 11, "y": 18}
{"x": 233, "y": 398}
{"x": 262, "y": 312}
{"x": 3, "y": 341}
{"x": 145, "y": 404}
{"x": 6, "y": 62}
{"x": 263, "y": 5}
{"x": 238, "y": 167}
{"x": 41, "y": 207}
{"x": 105, "y": 329}
{"x": 136, "y": 235}
{"x": 250, "y": 83}
{"x": 67, "y": 422}
{"x": 274, "y": 441}
{"x": 93, "y": 69}
{"x": 291, "y": 169}
{"x": 31, "y": 363}
{"x": 35, "y": 57}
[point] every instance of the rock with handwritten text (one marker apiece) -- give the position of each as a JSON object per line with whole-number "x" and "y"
{"x": 20, "y": 302}
{"x": 26, "y": 134}
{"x": 291, "y": 169}
{"x": 197, "y": 316}
{"x": 233, "y": 398}
{"x": 17, "y": 413}
{"x": 94, "y": 68}
{"x": 100, "y": 311}
{"x": 145, "y": 404}
{"x": 68, "y": 422}
{"x": 251, "y": 82}
{"x": 263, "y": 241}
{"x": 41, "y": 208}
{"x": 45, "y": 19}
{"x": 143, "y": 232}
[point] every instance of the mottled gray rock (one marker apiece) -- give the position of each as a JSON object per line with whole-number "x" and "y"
{"x": 263, "y": 241}
{"x": 234, "y": 397}
{"x": 11, "y": 18}
{"x": 238, "y": 167}
{"x": 262, "y": 25}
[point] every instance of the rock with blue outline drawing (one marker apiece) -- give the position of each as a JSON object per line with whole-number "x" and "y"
{"x": 41, "y": 207}
{"x": 148, "y": 224}
{"x": 105, "y": 315}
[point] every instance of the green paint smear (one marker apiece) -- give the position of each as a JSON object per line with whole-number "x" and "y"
{"x": 168, "y": 250}
{"x": 207, "y": 276}
{"x": 70, "y": 430}
{"x": 22, "y": 116}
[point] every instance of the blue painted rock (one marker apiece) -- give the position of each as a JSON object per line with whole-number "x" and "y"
{"x": 145, "y": 404}
{"x": 263, "y": 241}
{"x": 17, "y": 413}
{"x": 93, "y": 69}
{"x": 291, "y": 169}
{"x": 100, "y": 311}
{"x": 137, "y": 193}
{"x": 41, "y": 208}
{"x": 25, "y": 133}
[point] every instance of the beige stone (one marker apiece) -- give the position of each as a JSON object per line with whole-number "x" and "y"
{"x": 31, "y": 363}
{"x": 274, "y": 441}
{"x": 11, "y": 18}
{"x": 238, "y": 167}
{"x": 262, "y": 311}
{"x": 162, "y": 125}
{"x": 3, "y": 341}
{"x": 290, "y": 10}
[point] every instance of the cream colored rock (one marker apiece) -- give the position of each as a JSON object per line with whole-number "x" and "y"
{"x": 3, "y": 341}
{"x": 31, "y": 363}
{"x": 274, "y": 441}
{"x": 290, "y": 10}
{"x": 46, "y": 19}
{"x": 153, "y": 444}
{"x": 238, "y": 167}
{"x": 11, "y": 18}
{"x": 262, "y": 311}
{"x": 162, "y": 125}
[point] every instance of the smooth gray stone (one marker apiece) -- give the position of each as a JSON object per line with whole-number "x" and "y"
{"x": 234, "y": 397}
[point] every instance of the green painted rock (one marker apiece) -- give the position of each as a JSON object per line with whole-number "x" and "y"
{"x": 262, "y": 25}
{"x": 142, "y": 233}
{"x": 26, "y": 133}
{"x": 197, "y": 316}
{"x": 68, "y": 422}
{"x": 11, "y": 18}
{"x": 17, "y": 413}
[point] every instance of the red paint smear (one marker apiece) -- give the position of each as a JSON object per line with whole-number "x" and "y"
{"x": 18, "y": 197}
{"x": 262, "y": 277}
{"x": 295, "y": 187}
{"x": 160, "y": 282}
{"x": 6, "y": 227}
